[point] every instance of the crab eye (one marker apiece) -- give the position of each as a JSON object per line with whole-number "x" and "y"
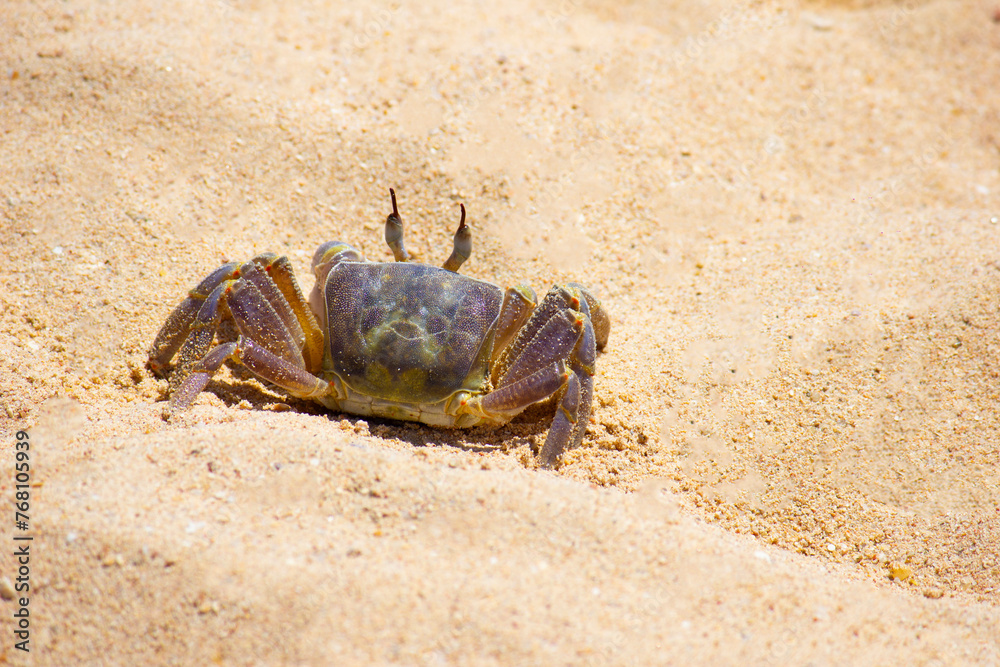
{"x": 321, "y": 251}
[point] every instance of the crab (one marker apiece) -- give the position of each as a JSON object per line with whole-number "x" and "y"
{"x": 398, "y": 340}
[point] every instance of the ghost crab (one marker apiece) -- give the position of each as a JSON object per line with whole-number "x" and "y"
{"x": 399, "y": 340}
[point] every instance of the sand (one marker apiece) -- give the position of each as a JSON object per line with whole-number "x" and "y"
{"x": 789, "y": 209}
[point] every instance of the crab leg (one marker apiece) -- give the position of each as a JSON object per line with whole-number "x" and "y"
{"x": 553, "y": 341}
{"x": 564, "y": 425}
{"x": 573, "y": 413}
{"x": 197, "y": 376}
{"x": 559, "y": 330}
{"x": 256, "y": 304}
{"x": 201, "y": 334}
{"x": 518, "y": 302}
{"x": 280, "y": 271}
{"x": 256, "y": 271}
{"x": 462, "y": 247}
{"x": 557, "y": 299}
{"x": 582, "y": 363}
{"x": 175, "y": 330}
{"x": 513, "y": 398}
{"x": 265, "y": 346}
{"x": 258, "y": 321}
{"x": 259, "y": 360}
{"x": 598, "y": 316}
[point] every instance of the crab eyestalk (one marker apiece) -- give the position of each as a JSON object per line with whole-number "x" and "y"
{"x": 394, "y": 231}
{"x": 463, "y": 245}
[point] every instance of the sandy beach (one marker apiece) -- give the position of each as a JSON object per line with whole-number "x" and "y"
{"x": 791, "y": 211}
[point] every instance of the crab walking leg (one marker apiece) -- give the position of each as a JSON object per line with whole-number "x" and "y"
{"x": 598, "y": 315}
{"x": 263, "y": 364}
{"x": 507, "y": 401}
{"x": 258, "y": 321}
{"x": 583, "y": 364}
{"x": 201, "y": 334}
{"x": 254, "y": 315}
{"x": 197, "y": 376}
{"x": 462, "y": 247}
{"x": 255, "y": 271}
{"x": 553, "y": 341}
{"x": 557, "y": 298}
{"x": 394, "y": 231}
{"x": 280, "y": 271}
{"x": 573, "y": 413}
{"x": 173, "y": 332}
{"x": 564, "y": 425}
{"x": 586, "y": 381}
{"x": 518, "y": 302}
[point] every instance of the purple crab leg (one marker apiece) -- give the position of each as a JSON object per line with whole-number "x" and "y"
{"x": 559, "y": 330}
{"x": 583, "y": 364}
{"x": 254, "y": 315}
{"x": 564, "y": 425}
{"x": 197, "y": 376}
{"x": 257, "y": 320}
{"x": 201, "y": 334}
{"x": 555, "y": 300}
{"x": 173, "y": 332}
{"x": 573, "y": 414}
{"x": 513, "y": 398}
{"x": 255, "y": 271}
{"x": 518, "y": 302}
{"x": 280, "y": 271}
{"x": 598, "y": 316}
{"x": 267, "y": 346}
{"x": 553, "y": 341}
{"x": 296, "y": 381}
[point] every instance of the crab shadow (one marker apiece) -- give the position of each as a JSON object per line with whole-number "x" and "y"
{"x": 243, "y": 390}
{"x": 525, "y": 430}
